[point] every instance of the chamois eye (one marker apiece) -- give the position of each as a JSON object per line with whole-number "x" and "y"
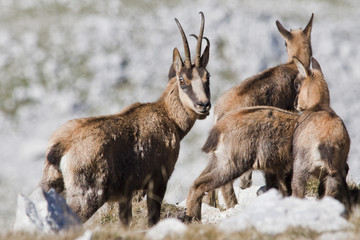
{"x": 297, "y": 87}
{"x": 182, "y": 81}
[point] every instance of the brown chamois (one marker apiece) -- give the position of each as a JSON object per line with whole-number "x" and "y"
{"x": 321, "y": 141}
{"x": 272, "y": 87}
{"x": 107, "y": 158}
{"x": 278, "y": 142}
{"x": 252, "y": 138}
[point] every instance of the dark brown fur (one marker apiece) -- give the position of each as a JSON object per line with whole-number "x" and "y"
{"x": 107, "y": 158}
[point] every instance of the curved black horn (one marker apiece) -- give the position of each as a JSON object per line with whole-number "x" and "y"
{"x": 186, "y": 45}
{"x": 198, "y": 46}
{"x": 207, "y": 40}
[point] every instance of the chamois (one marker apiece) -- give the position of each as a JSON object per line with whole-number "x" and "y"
{"x": 321, "y": 141}
{"x": 272, "y": 87}
{"x": 99, "y": 159}
{"x": 246, "y": 139}
{"x": 278, "y": 142}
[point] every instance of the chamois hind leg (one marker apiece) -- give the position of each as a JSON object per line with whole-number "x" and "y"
{"x": 85, "y": 201}
{"x": 336, "y": 187}
{"x": 211, "y": 178}
{"x": 210, "y": 198}
{"x": 125, "y": 209}
{"x": 52, "y": 178}
{"x": 85, "y": 191}
{"x": 156, "y": 192}
{"x": 299, "y": 179}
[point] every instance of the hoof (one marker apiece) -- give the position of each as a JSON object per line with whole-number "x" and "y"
{"x": 261, "y": 190}
{"x": 187, "y": 219}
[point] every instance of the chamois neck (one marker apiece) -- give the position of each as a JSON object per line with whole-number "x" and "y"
{"x": 318, "y": 94}
{"x": 183, "y": 118}
{"x": 302, "y": 56}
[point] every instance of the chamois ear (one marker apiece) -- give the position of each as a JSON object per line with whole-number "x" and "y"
{"x": 206, "y": 54}
{"x": 177, "y": 62}
{"x": 315, "y": 64}
{"x": 285, "y": 33}
{"x": 301, "y": 68}
{"x": 205, "y": 57}
{"x": 308, "y": 27}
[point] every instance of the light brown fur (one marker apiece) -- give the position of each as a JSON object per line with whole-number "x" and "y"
{"x": 321, "y": 141}
{"x": 276, "y": 141}
{"x": 254, "y": 138}
{"x": 107, "y": 158}
{"x": 272, "y": 87}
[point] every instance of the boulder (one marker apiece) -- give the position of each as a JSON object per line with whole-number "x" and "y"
{"x": 45, "y": 212}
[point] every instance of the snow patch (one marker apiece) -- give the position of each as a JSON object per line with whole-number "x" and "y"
{"x": 272, "y": 214}
{"x": 166, "y": 228}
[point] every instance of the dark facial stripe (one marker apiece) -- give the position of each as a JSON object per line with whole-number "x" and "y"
{"x": 190, "y": 92}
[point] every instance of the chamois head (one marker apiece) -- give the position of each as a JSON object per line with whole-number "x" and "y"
{"x": 311, "y": 87}
{"x": 298, "y": 42}
{"x": 193, "y": 78}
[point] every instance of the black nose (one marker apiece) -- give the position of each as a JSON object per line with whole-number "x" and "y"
{"x": 204, "y": 105}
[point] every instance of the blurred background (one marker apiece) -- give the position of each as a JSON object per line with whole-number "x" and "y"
{"x": 65, "y": 59}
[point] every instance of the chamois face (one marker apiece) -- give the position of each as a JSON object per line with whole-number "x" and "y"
{"x": 194, "y": 86}
{"x": 193, "y": 79}
{"x": 311, "y": 87}
{"x": 297, "y": 42}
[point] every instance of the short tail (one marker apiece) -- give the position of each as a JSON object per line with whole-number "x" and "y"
{"x": 52, "y": 176}
{"x": 212, "y": 140}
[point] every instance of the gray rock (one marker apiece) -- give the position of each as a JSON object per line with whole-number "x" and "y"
{"x": 45, "y": 212}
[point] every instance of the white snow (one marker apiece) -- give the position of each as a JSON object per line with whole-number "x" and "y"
{"x": 271, "y": 213}
{"x": 166, "y": 228}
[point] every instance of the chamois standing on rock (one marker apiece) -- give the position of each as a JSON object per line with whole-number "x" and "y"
{"x": 107, "y": 158}
{"x": 272, "y": 87}
{"x": 269, "y": 139}
{"x": 321, "y": 141}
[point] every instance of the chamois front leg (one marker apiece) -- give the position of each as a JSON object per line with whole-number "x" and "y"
{"x": 229, "y": 194}
{"x": 211, "y": 178}
{"x": 125, "y": 209}
{"x": 156, "y": 192}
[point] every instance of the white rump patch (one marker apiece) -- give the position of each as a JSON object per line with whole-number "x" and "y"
{"x": 64, "y": 164}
